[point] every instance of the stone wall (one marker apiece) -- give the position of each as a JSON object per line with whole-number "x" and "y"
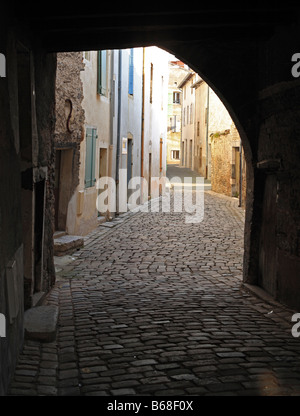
{"x": 26, "y": 151}
{"x": 10, "y": 213}
{"x": 221, "y": 163}
{"x": 225, "y": 164}
{"x": 69, "y": 126}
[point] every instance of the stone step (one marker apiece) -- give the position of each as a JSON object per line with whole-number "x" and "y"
{"x": 67, "y": 244}
{"x": 38, "y": 298}
{"x": 40, "y": 323}
{"x": 58, "y": 234}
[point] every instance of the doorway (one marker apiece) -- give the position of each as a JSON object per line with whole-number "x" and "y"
{"x": 102, "y": 171}
{"x": 62, "y": 186}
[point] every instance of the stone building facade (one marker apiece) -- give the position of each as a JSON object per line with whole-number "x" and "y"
{"x": 155, "y": 80}
{"x": 177, "y": 71}
{"x": 111, "y": 123}
{"x": 69, "y": 134}
{"x": 187, "y": 120}
{"x": 210, "y": 140}
{"x": 228, "y": 166}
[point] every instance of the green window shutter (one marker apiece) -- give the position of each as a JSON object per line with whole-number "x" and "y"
{"x": 102, "y": 73}
{"x": 90, "y": 156}
{"x": 93, "y": 176}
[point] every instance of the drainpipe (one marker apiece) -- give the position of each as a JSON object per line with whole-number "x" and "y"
{"x": 207, "y": 124}
{"x": 111, "y": 119}
{"x": 118, "y": 129}
{"x": 112, "y": 96}
{"x": 143, "y": 125}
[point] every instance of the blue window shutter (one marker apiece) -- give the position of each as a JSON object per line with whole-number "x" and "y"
{"x": 101, "y": 73}
{"x": 131, "y": 71}
{"x": 93, "y": 157}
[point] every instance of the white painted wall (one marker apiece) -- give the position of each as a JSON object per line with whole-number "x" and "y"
{"x": 124, "y": 120}
{"x": 155, "y": 113}
{"x": 97, "y": 115}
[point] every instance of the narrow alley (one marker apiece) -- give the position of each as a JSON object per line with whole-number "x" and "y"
{"x": 155, "y": 306}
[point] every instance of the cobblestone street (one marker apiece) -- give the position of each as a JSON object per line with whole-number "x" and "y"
{"x": 155, "y": 306}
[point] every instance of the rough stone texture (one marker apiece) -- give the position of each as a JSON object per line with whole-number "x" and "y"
{"x": 147, "y": 308}
{"x": 69, "y": 87}
{"x": 221, "y": 164}
{"x": 11, "y": 241}
{"x": 224, "y": 170}
{"x": 40, "y": 323}
{"x": 67, "y": 244}
{"x": 45, "y": 73}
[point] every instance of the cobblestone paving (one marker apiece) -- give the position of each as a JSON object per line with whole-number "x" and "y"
{"x": 155, "y": 306}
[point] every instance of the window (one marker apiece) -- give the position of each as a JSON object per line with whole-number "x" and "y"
{"x": 102, "y": 73}
{"x": 91, "y": 136}
{"x": 173, "y": 124}
{"x": 151, "y": 82}
{"x": 176, "y": 97}
{"x": 198, "y": 128}
{"x": 131, "y": 72}
{"x": 191, "y": 114}
{"x": 175, "y": 154}
{"x": 188, "y": 115}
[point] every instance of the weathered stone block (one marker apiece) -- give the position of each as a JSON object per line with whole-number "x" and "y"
{"x": 67, "y": 244}
{"x": 40, "y": 323}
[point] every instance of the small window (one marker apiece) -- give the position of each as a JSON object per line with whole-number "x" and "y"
{"x": 175, "y": 154}
{"x": 151, "y": 82}
{"x": 176, "y": 97}
{"x": 173, "y": 124}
